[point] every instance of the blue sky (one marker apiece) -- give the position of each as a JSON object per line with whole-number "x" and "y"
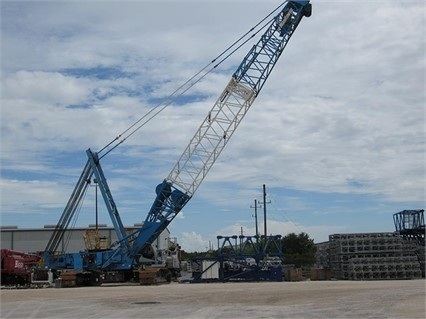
{"x": 337, "y": 134}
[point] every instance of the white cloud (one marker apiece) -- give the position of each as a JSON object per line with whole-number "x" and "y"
{"x": 343, "y": 111}
{"x": 191, "y": 242}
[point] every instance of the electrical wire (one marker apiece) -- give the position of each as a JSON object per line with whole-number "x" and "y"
{"x": 283, "y": 214}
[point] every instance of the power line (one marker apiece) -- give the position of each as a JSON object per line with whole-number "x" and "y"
{"x": 283, "y": 214}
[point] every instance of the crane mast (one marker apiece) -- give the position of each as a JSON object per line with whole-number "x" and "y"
{"x": 236, "y": 99}
{"x": 222, "y": 121}
{"x": 192, "y": 167}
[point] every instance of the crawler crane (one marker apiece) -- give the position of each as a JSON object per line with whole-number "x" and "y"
{"x": 174, "y": 192}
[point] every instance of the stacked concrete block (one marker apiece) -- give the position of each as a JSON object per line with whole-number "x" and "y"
{"x": 322, "y": 255}
{"x": 373, "y": 256}
{"x": 420, "y": 252}
{"x": 404, "y": 267}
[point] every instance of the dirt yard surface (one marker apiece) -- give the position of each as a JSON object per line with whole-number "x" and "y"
{"x": 306, "y": 299}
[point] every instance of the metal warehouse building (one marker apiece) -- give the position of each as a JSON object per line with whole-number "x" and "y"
{"x": 33, "y": 240}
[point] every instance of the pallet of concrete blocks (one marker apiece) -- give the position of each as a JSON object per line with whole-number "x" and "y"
{"x": 420, "y": 253}
{"x": 370, "y": 256}
{"x": 293, "y": 274}
{"x": 320, "y": 274}
{"x": 378, "y": 268}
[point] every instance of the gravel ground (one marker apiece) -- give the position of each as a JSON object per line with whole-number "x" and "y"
{"x": 306, "y": 299}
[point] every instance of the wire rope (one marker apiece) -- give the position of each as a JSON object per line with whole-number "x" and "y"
{"x": 183, "y": 88}
{"x": 73, "y": 223}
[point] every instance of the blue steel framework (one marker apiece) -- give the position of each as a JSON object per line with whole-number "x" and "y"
{"x": 243, "y": 258}
{"x": 194, "y": 164}
{"x": 411, "y": 224}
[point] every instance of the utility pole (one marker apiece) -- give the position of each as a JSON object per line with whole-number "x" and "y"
{"x": 256, "y": 206}
{"x": 264, "y": 209}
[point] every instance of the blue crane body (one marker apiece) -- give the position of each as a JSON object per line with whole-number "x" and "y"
{"x": 204, "y": 148}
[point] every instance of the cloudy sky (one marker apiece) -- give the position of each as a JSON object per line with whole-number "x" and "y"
{"x": 337, "y": 134}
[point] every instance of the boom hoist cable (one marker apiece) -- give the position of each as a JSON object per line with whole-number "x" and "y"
{"x": 220, "y": 123}
{"x": 186, "y": 86}
{"x": 93, "y": 167}
{"x": 203, "y": 149}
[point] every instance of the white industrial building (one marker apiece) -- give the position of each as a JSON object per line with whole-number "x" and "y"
{"x": 32, "y": 240}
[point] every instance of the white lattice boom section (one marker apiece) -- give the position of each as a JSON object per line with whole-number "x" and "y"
{"x": 212, "y": 136}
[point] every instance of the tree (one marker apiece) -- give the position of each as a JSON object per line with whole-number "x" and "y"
{"x": 298, "y": 250}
